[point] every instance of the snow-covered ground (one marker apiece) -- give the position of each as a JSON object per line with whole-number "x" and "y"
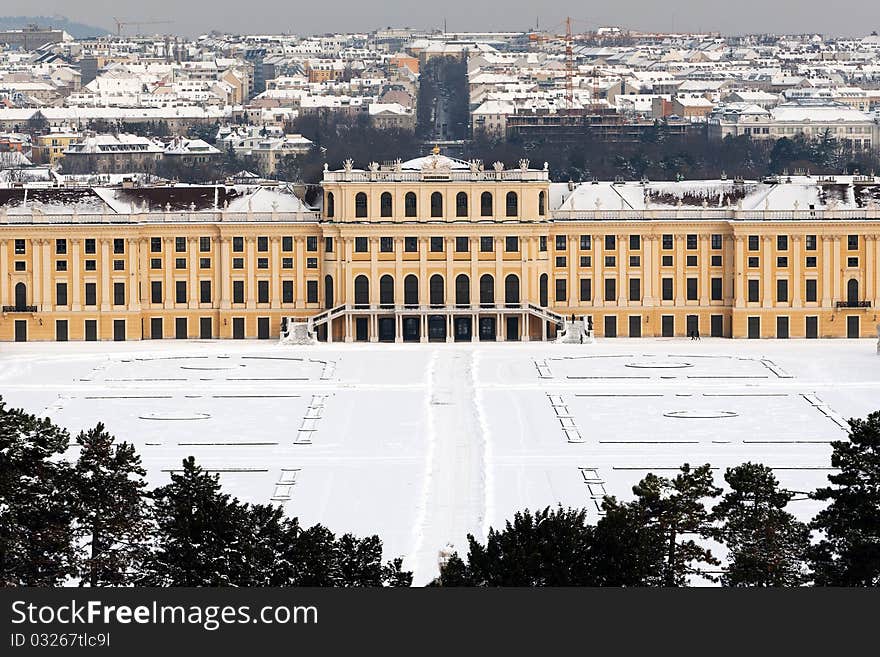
{"x": 423, "y": 444}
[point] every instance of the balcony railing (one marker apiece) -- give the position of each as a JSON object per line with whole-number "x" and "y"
{"x": 19, "y": 309}
{"x": 853, "y": 304}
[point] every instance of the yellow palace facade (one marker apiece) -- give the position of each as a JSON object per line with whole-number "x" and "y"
{"x": 437, "y": 249}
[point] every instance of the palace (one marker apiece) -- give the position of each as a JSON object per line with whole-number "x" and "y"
{"x": 440, "y": 249}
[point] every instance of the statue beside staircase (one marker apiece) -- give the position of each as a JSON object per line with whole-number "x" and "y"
{"x": 576, "y": 331}
{"x": 296, "y": 332}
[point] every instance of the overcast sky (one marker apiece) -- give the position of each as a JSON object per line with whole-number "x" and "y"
{"x": 849, "y": 17}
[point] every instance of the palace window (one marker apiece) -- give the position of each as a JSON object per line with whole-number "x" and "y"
{"x": 512, "y": 204}
{"x": 409, "y": 204}
{"x": 486, "y": 204}
{"x": 360, "y": 205}
{"x": 461, "y": 204}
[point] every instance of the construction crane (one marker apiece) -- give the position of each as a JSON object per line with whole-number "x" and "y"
{"x": 137, "y": 24}
{"x": 539, "y": 38}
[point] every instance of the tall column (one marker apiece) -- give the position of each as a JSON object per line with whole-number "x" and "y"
{"x": 192, "y": 244}
{"x": 797, "y": 270}
{"x": 767, "y": 273}
{"x": 225, "y": 267}
{"x": 75, "y": 273}
{"x": 299, "y": 260}
{"x": 475, "y": 277}
{"x": 835, "y": 269}
{"x": 37, "y": 261}
{"x": 373, "y": 243}
{"x": 499, "y": 271}
{"x": 573, "y": 298}
{"x": 826, "y": 271}
{"x": 423, "y": 272}
{"x": 729, "y": 270}
{"x": 649, "y": 242}
{"x": 739, "y": 272}
{"x": 876, "y": 270}
{"x": 168, "y": 249}
{"x": 275, "y": 264}
{"x": 143, "y": 248}
{"x": 526, "y": 245}
{"x": 704, "y": 270}
{"x": 106, "y": 292}
{"x": 134, "y": 274}
{"x": 622, "y": 264}
{"x": 4, "y": 273}
{"x": 679, "y": 270}
{"x": 251, "y": 264}
{"x": 398, "y": 281}
{"x": 449, "y": 288}
{"x": 48, "y": 275}
{"x": 598, "y": 268}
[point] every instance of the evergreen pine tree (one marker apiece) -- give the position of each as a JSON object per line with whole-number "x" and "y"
{"x": 677, "y": 508}
{"x": 198, "y": 535}
{"x": 110, "y": 508}
{"x": 37, "y": 546}
{"x": 848, "y": 553}
{"x": 766, "y": 544}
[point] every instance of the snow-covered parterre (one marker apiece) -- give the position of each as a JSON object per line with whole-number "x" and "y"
{"x": 423, "y": 445}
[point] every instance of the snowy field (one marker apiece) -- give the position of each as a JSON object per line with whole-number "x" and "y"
{"x": 423, "y": 444}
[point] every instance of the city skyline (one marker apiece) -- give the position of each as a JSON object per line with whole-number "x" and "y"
{"x": 850, "y": 17}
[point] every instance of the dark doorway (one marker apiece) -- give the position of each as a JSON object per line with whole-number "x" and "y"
{"x": 782, "y": 327}
{"x": 463, "y": 329}
{"x": 716, "y": 326}
{"x": 91, "y": 330}
{"x": 156, "y": 328}
{"x": 852, "y": 326}
{"x": 361, "y": 329}
{"x": 20, "y": 296}
{"x": 811, "y": 327}
{"x": 512, "y": 325}
{"x": 411, "y": 329}
{"x": 635, "y": 326}
{"x": 852, "y": 292}
{"x": 263, "y": 328}
{"x": 667, "y": 326}
{"x": 328, "y": 291}
{"x": 21, "y": 330}
{"x": 361, "y": 292}
{"x": 542, "y": 290}
{"x": 61, "y": 330}
{"x": 386, "y": 329}
{"x": 436, "y": 328}
{"x": 119, "y": 330}
{"x": 754, "y": 328}
{"x": 180, "y": 328}
{"x": 238, "y": 328}
{"x": 462, "y": 290}
{"x": 610, "y": 326}
{"x": 206, "y": 328}
{"x": 693, "y": 325}
{"x": 487, "y": 328}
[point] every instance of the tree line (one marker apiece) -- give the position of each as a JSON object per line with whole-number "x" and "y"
{"x": 92, "y": 521}
{"x": 665, "y": 535}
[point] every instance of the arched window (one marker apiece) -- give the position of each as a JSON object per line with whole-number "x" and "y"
{"x": 542, "y": 204}
{"x": 512, "y": 205}
{"x": 20, "y": 296}
{"x": 386, "y": 290}
{"x": 385, "y": 206}
{"x": 511, "y": 289}
{"x": 542, "y": 290}
{"x": 411, "y": 290}
{"x": 852, "y": 291}
{"x": 462, "y": 290}
{"x": 436, "y": 204}
{"x": 361, "y": 291}
{"x": 360, "y": 205}
{"x": 328, "y": 291}
{"x": 435, "y": 290}
{"x": 486, "y": 204}
{"x": 409, "y": 204}
{"x": 331, "y": 205}
{"x": 487, "y": 290}
{"x": 461, "y": 204}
